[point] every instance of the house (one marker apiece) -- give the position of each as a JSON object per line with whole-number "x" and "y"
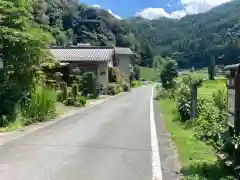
{"x": 95, "y": 59}
{"x": 124, "y": 58}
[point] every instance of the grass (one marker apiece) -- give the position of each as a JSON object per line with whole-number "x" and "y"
{"x": 198, "y": 159}
{"x": 208, "y": 87}
{"x": 147, "y": 73}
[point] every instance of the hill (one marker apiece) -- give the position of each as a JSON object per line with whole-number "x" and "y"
{"x": 191, "y": 40}
{"x": 196, "y": 36}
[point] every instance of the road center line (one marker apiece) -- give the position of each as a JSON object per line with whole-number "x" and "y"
{"x": 156, "y": 163}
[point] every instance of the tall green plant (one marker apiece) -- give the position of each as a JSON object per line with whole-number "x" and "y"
{"x": 169, "y": 72}
{"x": 158, "y": 62}
{"x": 90, "y": 86}
{"x": 23, "y": 47}
{"x": 40, "y": 104}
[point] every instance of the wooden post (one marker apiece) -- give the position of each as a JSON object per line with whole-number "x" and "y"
{"x": 237, "y": 102}
{"x": 193, "y": 113}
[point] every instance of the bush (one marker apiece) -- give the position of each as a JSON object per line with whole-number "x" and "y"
{"x": 74, "y": 90}
{"x": 70, "y": 101}
{"x": 183, "y": 102}
{"x": 59, "y": 96}
{"x": 135, "y": 84}
{"x": 119, "y": 88}
{"x": 90, "y": 86}
{"x": 64, "y": 91}
{"x": 126, "y": 87}
{"x": 210, "y": 123}
{"x": 220, "y": 100}
{"x": 77, "y": 101}
{"x": 161, "y": 94}
{"x": 112, "y": 89}
{"x": 81, "y": 101}
{"x": 168, "y": 73}
{"x": 40, "y": 104}
{"x": 212, "y": 120}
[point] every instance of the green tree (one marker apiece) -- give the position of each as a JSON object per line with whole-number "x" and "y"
{"x": 146, "y": 55}
{"x": 137, "y": 72}
{"x": 158, "y": 62}
{"x": 23, "y": 48}
{"x": 169, "y": 72}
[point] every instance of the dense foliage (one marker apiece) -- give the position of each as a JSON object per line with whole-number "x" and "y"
{"x": 194, "y": 38}
{"x": 23, "y": 45}
{"x": 211, "y": 124}
{"x": 89, "y": 85}
{"x": 168, "y": 73}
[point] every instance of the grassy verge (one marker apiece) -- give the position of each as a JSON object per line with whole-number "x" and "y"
{"x": 208, "y": 87}
{"x": 147, "y": 73}
{"x": 198, "y": 159}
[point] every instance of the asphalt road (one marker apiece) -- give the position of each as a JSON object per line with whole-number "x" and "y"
{"x": 110, "y": 141}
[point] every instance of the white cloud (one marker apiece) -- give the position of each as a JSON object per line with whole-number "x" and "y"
{"x": 152, "y": 13}
{"x": 155, "y": 13}
{"x": 178, "y": 14}
{"x": 115, "y": 15}
{"x": 96, "y": 6}
{"x": 201, "y": 6}
{"x": 189, "y": 7}
{"x": 109, "y": 11}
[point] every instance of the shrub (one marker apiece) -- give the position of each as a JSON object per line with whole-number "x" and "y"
{"x": 75, "y": 99}
{"x": 183, "y": 102}
{"x": 59, "y": 96}
{"x": 69, "y": 101}
{"x": 220, "y": 99}
{"x": 64, "y": 92}
{"x": 119, "y": 88}
{"x": 90, "y": 86}
{"x": 40, "y": 104}
{"x": 161, "y": 94}
{"x": 76, "y": 76}
{"x": 112, "y": 89}
{"x": 81, "y": 101}
{"x": 210, "y": 123}
{"x": 135, "y": 84}
{"x": 74, "y": 90}
{"x": 212, "y": 120}
{"x": 126, "y": 87}
{"x": 168, "y": 73}
{"x": 111, "y": 75}
{"x": 192, "y": 79}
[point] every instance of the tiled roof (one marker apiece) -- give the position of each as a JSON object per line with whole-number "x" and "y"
{"x": 122, "y": 50}
{"x": 82, "y": 54}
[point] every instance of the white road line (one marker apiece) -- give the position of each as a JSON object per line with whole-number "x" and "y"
{"x": 156, "y": 163}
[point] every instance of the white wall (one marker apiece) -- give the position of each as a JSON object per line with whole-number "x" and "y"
{"x": 124, "y": 62}
{"x": 102, "y": 78}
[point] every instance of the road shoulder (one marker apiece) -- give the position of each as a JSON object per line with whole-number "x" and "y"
{"x": 171, "y": 165}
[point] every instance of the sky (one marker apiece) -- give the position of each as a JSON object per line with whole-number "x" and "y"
{"x": 153, "y": 9}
